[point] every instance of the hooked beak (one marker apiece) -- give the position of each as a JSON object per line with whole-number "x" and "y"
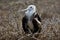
{"x": 24, "y": 10}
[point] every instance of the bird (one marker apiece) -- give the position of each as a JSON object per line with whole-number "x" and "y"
{"x": 31, "y": 20}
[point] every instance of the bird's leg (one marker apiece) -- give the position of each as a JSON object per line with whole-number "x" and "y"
{"x": 37, "y": 21}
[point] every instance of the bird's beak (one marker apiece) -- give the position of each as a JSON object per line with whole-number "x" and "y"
{"x": 24, "y": 10}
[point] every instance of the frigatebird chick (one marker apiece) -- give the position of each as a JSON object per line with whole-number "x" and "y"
{"x": 31, "y": 20}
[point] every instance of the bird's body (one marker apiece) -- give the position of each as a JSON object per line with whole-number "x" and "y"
{"x": 29, "y": 24}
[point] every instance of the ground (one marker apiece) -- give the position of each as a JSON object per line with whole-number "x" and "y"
{"x": 11, "y": 17}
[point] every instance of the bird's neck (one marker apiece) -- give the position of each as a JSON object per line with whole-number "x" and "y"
{"x": 30, "y": 16}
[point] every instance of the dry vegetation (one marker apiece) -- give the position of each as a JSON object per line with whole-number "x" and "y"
{"x": 10, "y": 19}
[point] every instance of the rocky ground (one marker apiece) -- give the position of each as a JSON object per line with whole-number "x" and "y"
{"x": 10, "y": 19}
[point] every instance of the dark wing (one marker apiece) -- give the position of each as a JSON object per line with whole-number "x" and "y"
{"x": 37, "y": 16}
{"x": 35, "y": 24}
{"x": 36, "y": 27}
{"x": 24, "y": 24}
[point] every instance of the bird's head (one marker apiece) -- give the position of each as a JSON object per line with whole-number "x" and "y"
{"x": 30, "y": 9}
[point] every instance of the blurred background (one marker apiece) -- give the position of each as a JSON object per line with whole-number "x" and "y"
{"x": 10, "y": 19}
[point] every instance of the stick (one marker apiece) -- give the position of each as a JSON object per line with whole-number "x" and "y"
{"x": 37, "y": 21}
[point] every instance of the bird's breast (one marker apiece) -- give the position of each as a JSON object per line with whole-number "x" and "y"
{"x": 29, "y": 14}
{"x": 30, "y": 25}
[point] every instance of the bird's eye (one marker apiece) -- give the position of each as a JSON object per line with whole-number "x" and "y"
{"x": 30, "y": 7}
